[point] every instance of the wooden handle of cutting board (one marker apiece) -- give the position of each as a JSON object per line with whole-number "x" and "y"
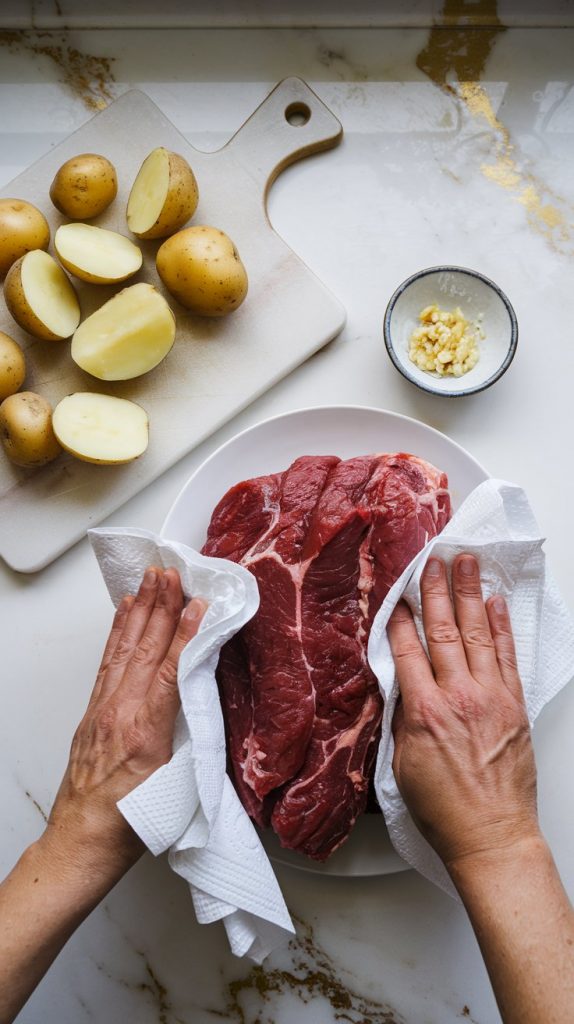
{"x": 291, "y": 123}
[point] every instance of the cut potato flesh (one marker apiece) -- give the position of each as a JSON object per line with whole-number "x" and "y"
{"x": 163, "y": 197}
{"x": 149, "y": 192}
{"x": 49, "y": 294}
{"x": 96, "y": 255}
{"x": 101, "y": 428}
{"x": 127, "y": 336}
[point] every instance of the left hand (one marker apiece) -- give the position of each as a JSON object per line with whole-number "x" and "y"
{"x": 127, "y": 731}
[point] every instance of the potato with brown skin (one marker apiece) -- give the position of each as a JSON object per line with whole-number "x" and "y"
{"x": 201, "y": 268}
{"x": 84, "y": 186}
{"x": 12, "y": 366}
{"x": 163, "y": 197}
{"x": 22, "y": 228}
{"x": 41, "y": 298}
{"x": 26, "y": 430}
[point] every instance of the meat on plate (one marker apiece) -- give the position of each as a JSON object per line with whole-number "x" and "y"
{"x": 325, "y": 540}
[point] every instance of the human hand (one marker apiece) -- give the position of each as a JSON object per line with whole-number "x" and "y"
{"x": 463, "y": 756}
{"x": 127, "y": 731}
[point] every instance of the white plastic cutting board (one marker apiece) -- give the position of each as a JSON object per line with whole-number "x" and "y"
{"x": 217, "y": 366}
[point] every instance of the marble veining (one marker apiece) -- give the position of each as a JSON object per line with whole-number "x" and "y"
{"x": 457, "y": 149}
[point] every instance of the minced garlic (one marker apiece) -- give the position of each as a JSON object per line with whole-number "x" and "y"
{"x": 446, "y": 343}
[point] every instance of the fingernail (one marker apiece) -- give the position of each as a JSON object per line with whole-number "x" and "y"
{"x": 164, "y": 582}
{"x": 433, "y": 567}
{"x": 194, "y": 609}
{"x": 467, "y": 566}
{"x": 498, "y": 604}
{"x": 150, "y": 577}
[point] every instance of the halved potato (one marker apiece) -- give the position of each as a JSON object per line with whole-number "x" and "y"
{"x": 127, "y": 336}
{"x": 41, "y": 298}
{"x": 96, "y": 255}
{"x": 163, "y": 197}
{"x": 101, "y": 428}
{"x": 84, "y": 186}
{"x": 22, "y": 228}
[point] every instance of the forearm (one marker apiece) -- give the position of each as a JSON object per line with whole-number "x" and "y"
{"x": 524, "y": 924}
{"x": 42, "y": 902}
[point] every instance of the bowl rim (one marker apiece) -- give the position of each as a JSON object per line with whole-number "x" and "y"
{"x": 428, "y": 387}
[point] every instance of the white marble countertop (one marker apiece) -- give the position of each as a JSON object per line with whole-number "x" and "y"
{"x": 482, "y": 179}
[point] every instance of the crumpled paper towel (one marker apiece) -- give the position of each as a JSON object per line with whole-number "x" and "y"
{"x": 189, "y": 805}
{"x": 496, "y": 524}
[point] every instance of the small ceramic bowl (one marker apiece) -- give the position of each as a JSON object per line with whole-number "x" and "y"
{"x": 480, "y": 300}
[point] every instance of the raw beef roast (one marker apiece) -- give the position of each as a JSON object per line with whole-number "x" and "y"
{"x": 325, "y": 540}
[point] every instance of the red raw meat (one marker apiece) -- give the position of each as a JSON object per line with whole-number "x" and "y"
{"x": 325, "y": 540}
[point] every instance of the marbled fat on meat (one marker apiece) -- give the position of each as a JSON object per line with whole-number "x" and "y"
{"x": 325, "y": 540}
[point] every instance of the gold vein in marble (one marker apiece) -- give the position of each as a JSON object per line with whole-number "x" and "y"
{"x": 88, "y": 76}
{"x": 454, "y": 59}
{"x": 545, "y": 217}
{"x": 311, "y": 975}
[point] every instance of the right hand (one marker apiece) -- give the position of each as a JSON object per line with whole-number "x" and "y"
{"x": 463, "y": 758}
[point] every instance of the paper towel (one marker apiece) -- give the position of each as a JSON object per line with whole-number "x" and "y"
{"x": 189, "y": 805}
{"x": 496, "y": 524}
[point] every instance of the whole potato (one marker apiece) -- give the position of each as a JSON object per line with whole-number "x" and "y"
{"x": 22, "y": 228}
{"x": 12, "y": 366}
{"x": 84, "y": 186}
{"x": 26, "y": 430}
{"x": 201, "y": 268}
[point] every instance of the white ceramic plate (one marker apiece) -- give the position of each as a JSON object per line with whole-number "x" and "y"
{"x": 271, "y": 446}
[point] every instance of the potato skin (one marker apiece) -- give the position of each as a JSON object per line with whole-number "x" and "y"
{"x": 84, "y": 186}
{"x": 22, "y": 228}
{"x": 181, "y": 201}
{"x": 12, "y": 366}
{"x": 201, "y": 268}
{"x": 26, "y": 430}
{"x": 18, "y": 306}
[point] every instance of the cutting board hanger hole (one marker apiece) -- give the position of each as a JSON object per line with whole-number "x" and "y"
{"x": 297, "y": 114}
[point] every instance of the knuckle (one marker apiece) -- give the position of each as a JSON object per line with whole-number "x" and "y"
{"x": 145, "y": 651}
{"x": 442, "y": 633}
{"x": 167, "y": 676}
{"x": 426, "y": 715}
{"x": 107, "y": 721}
{"x": 477, "y": 636}
{"x": 466, "y": 704}
{"x": 134, "y": 738}
{"x": 469, "y": 587}
{"x": 506, "y": 658}
{"x": 124, "y": 649}
{"x": 407, "y": 652}
{"x": 433, "y": 586}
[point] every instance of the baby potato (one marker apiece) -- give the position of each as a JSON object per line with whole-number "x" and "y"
{"x": 84, "y": 186}
{"x": 26, "y": 430}
{"x": 101, "y": 429}
{"x": 12, "y": 366}
{"x": 22, "y": 228}
{"x": 96, "y": 255}
{"x": 127, "y": 336}
{"x": 41, "y": 298}
{"x": 163, "y": 197}
{"x": 201, "y": 268}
